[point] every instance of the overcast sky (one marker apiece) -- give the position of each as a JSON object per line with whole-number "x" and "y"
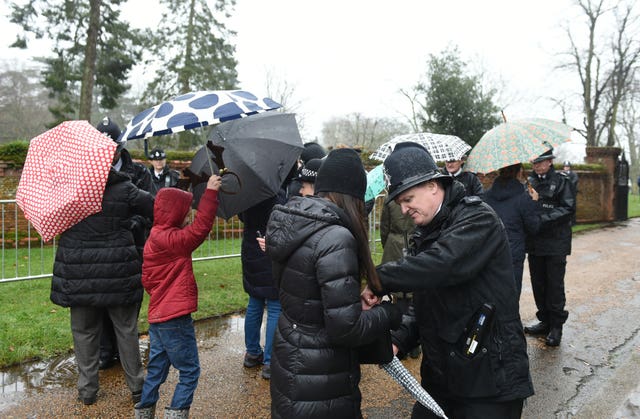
{"x": 354, "y": 56}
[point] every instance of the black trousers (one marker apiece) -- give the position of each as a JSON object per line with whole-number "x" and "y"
{"x": 547, "y": 282}
{"x": 471, "y": 410}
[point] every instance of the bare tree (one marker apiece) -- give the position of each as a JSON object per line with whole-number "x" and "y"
{"x": 356, "y": 130}
{"x": 603, "y": 78}
{"x": 23, "y": 103}
{"x": 630, "y": 127}
{"x": 284, "y": 92}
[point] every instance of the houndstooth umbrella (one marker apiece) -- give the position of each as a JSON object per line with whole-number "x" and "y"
{"x": 402, "y": 375}
{"x": 441, "y": 147}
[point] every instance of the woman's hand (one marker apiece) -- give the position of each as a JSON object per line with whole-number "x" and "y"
{"x": 261, "y": 243}
{"x": 368, "y": 298}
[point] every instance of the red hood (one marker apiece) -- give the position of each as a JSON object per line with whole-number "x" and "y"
{"x": 171, "y": 207}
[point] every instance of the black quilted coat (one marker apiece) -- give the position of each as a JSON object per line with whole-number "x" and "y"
{"x": 314, "y": 369}
{"x": 96, "y": 262}
{"x": 458, "y": 262}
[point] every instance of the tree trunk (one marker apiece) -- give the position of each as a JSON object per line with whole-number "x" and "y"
{"x": 89, "y": 67}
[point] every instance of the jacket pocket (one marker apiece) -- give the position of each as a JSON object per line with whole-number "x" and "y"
{"x": 477, "y": 376}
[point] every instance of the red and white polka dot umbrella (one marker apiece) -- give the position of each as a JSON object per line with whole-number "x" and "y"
{"x": 64, "y": 176}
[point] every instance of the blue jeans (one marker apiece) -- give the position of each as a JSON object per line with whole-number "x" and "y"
{"x": 253, "y": 323}
{"x": 172, "y": 343}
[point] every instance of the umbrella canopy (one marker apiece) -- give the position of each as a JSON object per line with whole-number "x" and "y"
{"x": 375, "y": 182}
{"x": 194, "y": 110}
{"x": 441, "y": 147}
{"x": 403, "y": 377}
{"x": 516, "y": 142}
{"x": 64, "y": 176}
{"x": 259, "y": 150}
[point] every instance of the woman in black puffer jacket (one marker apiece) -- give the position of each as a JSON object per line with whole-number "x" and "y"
{"x": 97, "y": 267}
{"x": 320, "y": 252}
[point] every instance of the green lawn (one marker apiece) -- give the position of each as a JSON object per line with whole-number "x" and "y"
{"x": 32, "y": 327}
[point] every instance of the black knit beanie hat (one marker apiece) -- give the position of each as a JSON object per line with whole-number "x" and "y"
{"x": 312, "y": 151}
{"x": 342, "y": 171}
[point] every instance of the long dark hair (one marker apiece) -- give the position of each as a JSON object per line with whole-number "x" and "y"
{"x": 356, "y": 216}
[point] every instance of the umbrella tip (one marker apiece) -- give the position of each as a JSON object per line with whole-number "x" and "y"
{"x": 504, "y": 118}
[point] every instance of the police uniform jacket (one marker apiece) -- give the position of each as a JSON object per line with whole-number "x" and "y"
{"x": 557, "y": 204}
{"x": 457, "y": 263}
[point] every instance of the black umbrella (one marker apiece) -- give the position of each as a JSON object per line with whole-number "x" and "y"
{"x": 257, "y": 153}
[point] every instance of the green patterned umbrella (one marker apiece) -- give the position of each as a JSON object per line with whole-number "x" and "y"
{"x": 516, "y": 142}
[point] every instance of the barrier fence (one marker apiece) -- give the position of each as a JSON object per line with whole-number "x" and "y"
{"x": 24, "y": 256}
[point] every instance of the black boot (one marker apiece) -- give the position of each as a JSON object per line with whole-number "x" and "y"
{"x": 554, "y": 337}
{"x": 540, "y": 328}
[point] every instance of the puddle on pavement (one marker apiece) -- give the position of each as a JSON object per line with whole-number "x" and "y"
{"x": 62, "y": 372}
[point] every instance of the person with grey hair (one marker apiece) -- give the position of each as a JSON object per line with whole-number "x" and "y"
{"x": 474, "y": 352}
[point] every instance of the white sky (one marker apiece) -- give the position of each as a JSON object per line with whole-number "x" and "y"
{"x": 346, "y": 56}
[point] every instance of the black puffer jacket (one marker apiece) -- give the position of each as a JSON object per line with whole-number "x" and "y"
{"x": 460, "y": 261}
{"x": 558, "y": 204}
{"x": 314, "y": 369}
{"x": 97, "y": 263}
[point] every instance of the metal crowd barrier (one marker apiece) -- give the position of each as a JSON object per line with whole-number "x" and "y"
{"x": 24, "y": 256}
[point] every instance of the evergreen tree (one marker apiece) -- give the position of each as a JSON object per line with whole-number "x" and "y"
{"x": 190, "y": 50}
{"x": 92, "y": 53}
{"x": 455, "y": 102}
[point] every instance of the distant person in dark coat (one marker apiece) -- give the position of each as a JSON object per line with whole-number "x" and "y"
{"x": 516, "y": 207}
{"x": 96, "y": 273}
{"x": 138, "y": 225}
{"x": 258, "y": 282}
{"x": 162, "y": 176}
{"x": 320, "y": 254}
{"x": 548, "y": 250}
{"x": 470, "y": 181}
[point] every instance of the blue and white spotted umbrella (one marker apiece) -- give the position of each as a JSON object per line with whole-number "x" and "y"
{"x": 194, "y": 110}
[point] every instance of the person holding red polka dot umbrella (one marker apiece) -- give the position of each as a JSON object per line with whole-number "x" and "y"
{"x": 69, "y": 187}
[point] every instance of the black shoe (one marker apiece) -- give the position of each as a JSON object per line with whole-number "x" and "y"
{"x": 251, "y": 361}
{"x": 105, "y": 364}
{"x": 541, "y": 328}
{"x": 554, "y": 337}
{"x": 136, "y": 396}
{"x": 87, "y": 401}
{"x": 266, "y": 371}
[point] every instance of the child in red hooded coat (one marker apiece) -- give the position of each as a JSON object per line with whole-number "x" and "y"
{"x": 167, "y": 275}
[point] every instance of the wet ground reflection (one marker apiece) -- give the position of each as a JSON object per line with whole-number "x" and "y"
{"x": 62, "y": 371}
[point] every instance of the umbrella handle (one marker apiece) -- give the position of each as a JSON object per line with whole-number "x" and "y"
{"x": 224, "y": 172}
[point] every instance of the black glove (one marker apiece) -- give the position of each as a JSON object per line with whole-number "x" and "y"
{"x": 394, "y": 313}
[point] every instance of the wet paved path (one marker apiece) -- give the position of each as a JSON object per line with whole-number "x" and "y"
{"x": 594, "y": 373}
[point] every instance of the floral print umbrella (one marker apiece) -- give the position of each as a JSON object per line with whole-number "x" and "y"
{"x": 516, "y": 142}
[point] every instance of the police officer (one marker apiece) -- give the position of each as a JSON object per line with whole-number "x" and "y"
{"x": 459, "y": 269}
{"x": 471, "y": 183}
{"x": 162, "y": 175}
{"x": 549, "y": 248}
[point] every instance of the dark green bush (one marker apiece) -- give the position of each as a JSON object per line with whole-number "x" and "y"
{"x": 14, "y": 152}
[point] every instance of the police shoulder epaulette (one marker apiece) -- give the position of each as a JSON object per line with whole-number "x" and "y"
{"x": 472, "y": 200}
